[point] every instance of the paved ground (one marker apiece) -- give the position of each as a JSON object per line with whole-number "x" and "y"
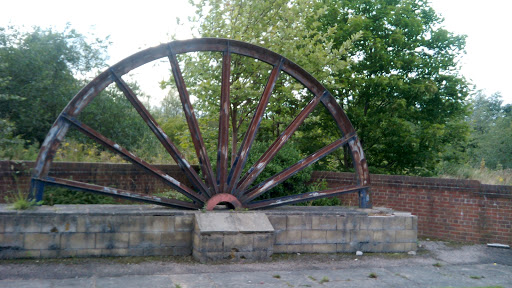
{"x": 437, "y": 264}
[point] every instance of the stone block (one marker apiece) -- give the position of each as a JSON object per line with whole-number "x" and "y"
{"x": 184, "y": 223}
{"x": 159, "y": 251}
{"x": 182, "y": 251}
{"x": 278, "y": 222}
{"x": 372, "y": 247}
{"x": 216, "y": 223}
{"x": 59, "y": 224}
{"x": 413, "y": 246}
{"x": 296, "y": 248}
{"x": 298, "y": 222}
{"x": 78, "y": 240}
{"x": 393, "y": 223}
{"x": 11, "y": 241}
{"x": 345, "y": 248}
{"x": 94, "y": 224}
{"x": 338, "y": 236}
{"x": 322, "y": 248}
{"x": 22, "y": 223}
{"x": 42, "y": 241}
{"x": 128, "y": 223}
{"x": 144, "y": 240}
{"x": 406, "y": 236}
{"x": 118, "y": 252}
{"x": 86, "y": 252}
{"x": 211, "y": 243}
{"x": 384, "y": 236}
{"x": 347, "y": 223}
{"x": 158, "y": 223}
{"x": 280, "y": 249}
{"x": 324, "y": 222}
{"x": 254, "y": 222}
{"x": 289, "y": 237}
{"x": 233, "y": 223}
{"x": 411, "y": 223}
{"x": 263, "y": 241}
{"x": 374, "y": 223}
{"x": 238, "y": 242}
{"x": 112, "y": 240}
{"x": 361, "y": 236}
{"x": 394, "y": 247}
{"x": 314, "y": 237}
{"x": 177, "y": 238}
{"x": 17, "y": 254}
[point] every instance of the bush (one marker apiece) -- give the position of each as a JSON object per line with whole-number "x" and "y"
{"x": 286, "y": 157}
{"x": 59, "y": 195}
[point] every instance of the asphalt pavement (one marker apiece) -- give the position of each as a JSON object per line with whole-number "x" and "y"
{"x": 436, "y": 264}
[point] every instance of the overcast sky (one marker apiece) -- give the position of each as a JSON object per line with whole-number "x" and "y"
{"x": 135, "y": 25}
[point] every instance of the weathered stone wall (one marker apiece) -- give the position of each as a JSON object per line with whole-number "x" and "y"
{"x": 140, "y": 230}
{"x": 330, "y": 230}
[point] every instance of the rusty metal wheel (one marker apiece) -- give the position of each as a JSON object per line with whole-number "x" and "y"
{"x": 228, "y": 185}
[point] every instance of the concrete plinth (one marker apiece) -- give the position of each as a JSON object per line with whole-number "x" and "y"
{"x": 222, "y": 236}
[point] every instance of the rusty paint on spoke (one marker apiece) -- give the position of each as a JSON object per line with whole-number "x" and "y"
{"x": 258, "y": 167}
{"x": 193, "y": 126}
{"x": 116, "y": 148}
{"x": 160, "y": 134}
{"x": 222, "y": 146}
{"x": 287, "y": 200}
{"x": 243, "y": 152}
{"x": 118, "y": 193}
{"x": 222, "y": 186}
{"x": 294, "y": 169}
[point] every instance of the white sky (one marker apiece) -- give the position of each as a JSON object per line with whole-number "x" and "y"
{"x": 135, "y": 25}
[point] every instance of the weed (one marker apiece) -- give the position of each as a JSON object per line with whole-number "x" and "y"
{"x": 312, "y": 278}
{"x": 277, "y": 276}
{"x": 324, "y": 280}
{"x": 177, "y": 286}
{"x": 438, "y": 265}
{"x": 373, "y": 275}
{"x": 476, "y": 277}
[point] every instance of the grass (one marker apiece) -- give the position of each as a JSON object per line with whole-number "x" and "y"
{"x": 438, "y": 265}
{"x": 373, "y": 275}
{"x": 476, "y": 277}
{"x": 312, "y": 278}
{"x": 277, "y": 276}
{"x": 484, "y": 175}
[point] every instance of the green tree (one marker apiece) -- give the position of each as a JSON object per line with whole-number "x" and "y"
{"x": 277, "y": 25}
{"x": 41, "y": 68}
{"x": 403, "y": 91}
{"x": 491, "y": 134}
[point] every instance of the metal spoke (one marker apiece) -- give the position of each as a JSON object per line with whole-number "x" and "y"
{"x": 227, "y": 184}
{"x": 162, "y": 137}
{"x": 118, "y": 193}
{"x": 193, "y": 126}
{"x": 287, "y": 200}
{"x": 243, "y": 152}
{"x": 175, "y": 184}
{"x": 222, "y": 152}
{"x": 292, "y": 170}
{"x": 258, "y": 167}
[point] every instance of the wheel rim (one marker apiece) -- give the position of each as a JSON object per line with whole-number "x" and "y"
{"x": 228, "y": 185}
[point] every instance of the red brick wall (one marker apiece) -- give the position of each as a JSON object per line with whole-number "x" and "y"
{"x": 451, "y": 209}
{"x": 460, "y": 210}
{"x": 123, "y": 176}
